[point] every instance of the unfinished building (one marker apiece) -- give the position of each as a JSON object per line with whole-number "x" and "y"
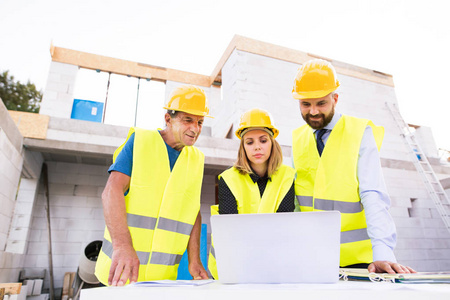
{"x": 250, "y": 74}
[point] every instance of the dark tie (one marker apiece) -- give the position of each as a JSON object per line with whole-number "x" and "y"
{"x": 320, "y": 143}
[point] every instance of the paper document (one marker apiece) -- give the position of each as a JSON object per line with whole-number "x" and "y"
{"x": 420, "y": 277}
{"x": 171, "y": 283}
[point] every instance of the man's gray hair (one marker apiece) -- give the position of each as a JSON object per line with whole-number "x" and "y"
{"x": 172, "y": 113}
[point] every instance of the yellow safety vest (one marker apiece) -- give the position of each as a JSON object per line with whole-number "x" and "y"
{"x": 161, "y": 207}
{"x": 249, "y": 200}
{"x": 330, "y": 181}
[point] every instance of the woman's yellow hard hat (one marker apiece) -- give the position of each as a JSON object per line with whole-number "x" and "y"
{"x": 256, "y": 118}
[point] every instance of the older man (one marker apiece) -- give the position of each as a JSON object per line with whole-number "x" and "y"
{"x": 338, "y": 168}
{"x": 152, "y": 198}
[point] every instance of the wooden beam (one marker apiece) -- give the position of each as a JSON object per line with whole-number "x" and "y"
{"x": 125, "y": 67}
{"x": 135, "y": 69}
{"x": 11, "y": 288}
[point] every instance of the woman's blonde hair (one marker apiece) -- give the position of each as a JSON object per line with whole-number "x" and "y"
{"x": 275, "y": 160}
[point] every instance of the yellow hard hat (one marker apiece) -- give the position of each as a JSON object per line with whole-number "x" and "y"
{"x": 189, "y": 99}
{"x": 316, "y": 78}
{"x": 256, "y": 118}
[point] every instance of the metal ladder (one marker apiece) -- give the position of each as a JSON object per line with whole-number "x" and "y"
{"x": 432, "y": 183}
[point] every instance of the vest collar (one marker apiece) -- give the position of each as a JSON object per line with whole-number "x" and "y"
{"x": 255, "y": 177}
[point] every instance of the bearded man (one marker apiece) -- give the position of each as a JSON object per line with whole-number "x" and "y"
{"x": 338, "y": 168}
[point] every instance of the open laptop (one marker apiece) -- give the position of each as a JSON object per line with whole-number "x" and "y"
{"x": 278, "y": 247}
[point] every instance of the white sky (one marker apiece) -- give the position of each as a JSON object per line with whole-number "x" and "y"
{"x": 406, "y": 38}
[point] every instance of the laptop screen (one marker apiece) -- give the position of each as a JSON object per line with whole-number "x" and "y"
{"x": 277, "y": 247}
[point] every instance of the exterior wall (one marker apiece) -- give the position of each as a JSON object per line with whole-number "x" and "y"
{"x": 58, "y": 97}
{"x": 230, "y": 94}
{"x": 21, "y": 221}
{"x": 250, "y": 80}
{"x": 26, "y": 195}
{"x": 11, "y": 162}
{"x": 423, "y": 241}
{"x": 425, "y": 138}
{"x": 76, "y": 218}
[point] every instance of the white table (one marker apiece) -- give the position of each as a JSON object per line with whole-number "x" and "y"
{"x": 359, "y": 290}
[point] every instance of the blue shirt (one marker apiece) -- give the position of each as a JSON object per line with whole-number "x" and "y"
{"x": 124, "y": 160}
{"x": 373, "y": 193}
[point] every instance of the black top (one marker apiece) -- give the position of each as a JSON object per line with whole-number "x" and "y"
{"x": 228, "y": 203}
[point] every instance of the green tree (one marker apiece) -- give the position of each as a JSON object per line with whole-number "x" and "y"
{"x": 18, "y": 96}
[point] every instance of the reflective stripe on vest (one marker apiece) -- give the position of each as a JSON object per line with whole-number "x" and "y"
{"x": 213, "y": 251}
{"x": 167, "y": 259}
{"x": 329, "y": 182}
{"x": 354, "y": 235}
{"x": 141, "y": 221}
{"x": 158, "y": 258}
{"x": 150, "y": 223}
{"x": 159, "y": 223}
{"x": 305, "y": 200}
{"x": 323, "y": 204}
{"x": 175, "y": 226}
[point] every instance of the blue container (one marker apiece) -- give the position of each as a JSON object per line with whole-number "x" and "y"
{"x": 183, "y": 271}
{"x": 87, "y": 110}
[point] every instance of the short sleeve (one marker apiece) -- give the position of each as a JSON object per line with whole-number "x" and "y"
{"x": 124, "y": 161}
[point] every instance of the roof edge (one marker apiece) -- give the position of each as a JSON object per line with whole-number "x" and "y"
{"x": 295, "y": 56}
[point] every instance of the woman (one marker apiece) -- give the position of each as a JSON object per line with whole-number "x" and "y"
{"x": 258, "y": 182}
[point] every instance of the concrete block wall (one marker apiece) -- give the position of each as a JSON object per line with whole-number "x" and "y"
{"x": 251, "y": 80}
{"x": 76, "y": 217}
{"x": 32, "y": 164}
{"x": 11, "y": 162}
{"x": 21, "y": 221}
{"x": 233, "y": 74}
{"x": 230, "y": 96}
{"x": 425, "y": 137}
{"x": 86, "y": 132}
{"x": 58, "y": 97}
{"x": 423, "y": 242}
{"x": 366, "y": 99}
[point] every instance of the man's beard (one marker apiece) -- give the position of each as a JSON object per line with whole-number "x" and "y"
{"x": 321, "y": 123}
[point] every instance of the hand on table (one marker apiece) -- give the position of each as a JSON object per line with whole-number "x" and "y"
{"x": 383, "y": 266}
{"x": 197, "y": 271}
{"x": 124, "y": 266}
